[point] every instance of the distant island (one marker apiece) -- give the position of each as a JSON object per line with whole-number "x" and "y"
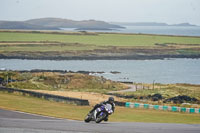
{"x": 183, "y": 24}
{"x": 150, "y": 24}
{"x": 57, "y": 24}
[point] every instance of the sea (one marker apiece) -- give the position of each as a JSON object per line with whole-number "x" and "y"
{"x": 139, "y": 71}
{"x": 159, "y": 30}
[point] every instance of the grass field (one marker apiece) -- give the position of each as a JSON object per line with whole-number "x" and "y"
{"x": 77, "y": 45}
{"x": 101, "y": 39}
{"x": 62, "y": 110}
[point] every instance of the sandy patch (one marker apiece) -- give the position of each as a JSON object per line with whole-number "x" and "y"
{"x": 93, "y": 98}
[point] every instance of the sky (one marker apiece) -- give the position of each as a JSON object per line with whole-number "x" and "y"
{"x": 167, "y": 11}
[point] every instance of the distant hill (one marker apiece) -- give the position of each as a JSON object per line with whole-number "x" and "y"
{"x": 150, "y": 24}
{"x": 66, "y": 23}
{"x": 23, "y": 25}
{"x": 56, "y": 24}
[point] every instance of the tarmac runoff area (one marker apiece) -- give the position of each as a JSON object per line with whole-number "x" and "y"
{"x": 19, "y": 122}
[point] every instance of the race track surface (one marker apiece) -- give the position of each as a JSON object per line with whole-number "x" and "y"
{"x": 18, "y": 122}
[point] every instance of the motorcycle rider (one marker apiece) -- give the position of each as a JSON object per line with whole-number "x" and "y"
{"x": 109, "y": 101}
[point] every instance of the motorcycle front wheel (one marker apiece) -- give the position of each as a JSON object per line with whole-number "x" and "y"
{"x": 100, "y": 118}
{"x": 88, "y": 118}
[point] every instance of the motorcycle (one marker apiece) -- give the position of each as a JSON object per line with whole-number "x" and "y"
{"x": 99, "y": 114}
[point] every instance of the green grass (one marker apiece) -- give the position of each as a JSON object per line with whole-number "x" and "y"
{"x": 62, "y": 110}
{"x": 101, "y": 39}
{"x": 41, "y": 106}
{"x": 45, "y": 48}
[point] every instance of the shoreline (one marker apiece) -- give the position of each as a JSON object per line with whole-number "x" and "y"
{"x": 65, "y": 32}
{"x": 92, "y": 72}
{"x": 128, "y": 57}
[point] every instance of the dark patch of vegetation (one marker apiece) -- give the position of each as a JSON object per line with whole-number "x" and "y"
{"x": 182, "y": 99}
{"x": 156, "y": 97}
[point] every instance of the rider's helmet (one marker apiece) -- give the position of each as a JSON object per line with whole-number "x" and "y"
{"x": 111, "y": 99}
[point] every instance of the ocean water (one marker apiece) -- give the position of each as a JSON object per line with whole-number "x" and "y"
{"x": 140, "y": 71}
{"x": 163, "y": 30}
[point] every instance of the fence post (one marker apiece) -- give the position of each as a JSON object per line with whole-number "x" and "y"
{"x": 136, "y": 87}
{"x": 153, "y": 84}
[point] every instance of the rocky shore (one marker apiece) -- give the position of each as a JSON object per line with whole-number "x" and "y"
{"x": 94, "y": 57}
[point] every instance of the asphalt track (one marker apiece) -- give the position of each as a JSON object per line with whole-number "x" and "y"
{"x": 18, "y": 122}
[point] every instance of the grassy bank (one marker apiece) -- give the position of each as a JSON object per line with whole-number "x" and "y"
{"x": 54, "y": 81}
{"x": 101, "y": 39}
{"x": 170, "y": 94}
{"x": 77, "y": 45}
{"x": 62, "y": 110}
